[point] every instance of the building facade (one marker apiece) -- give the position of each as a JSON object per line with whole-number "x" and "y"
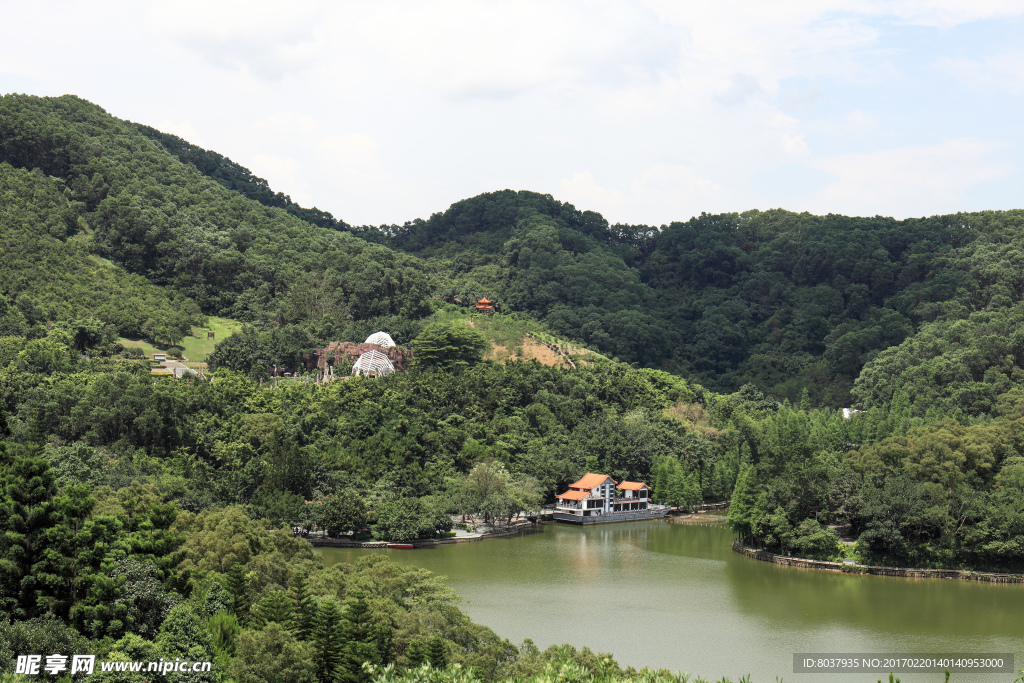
{"x": 596, "y": 498}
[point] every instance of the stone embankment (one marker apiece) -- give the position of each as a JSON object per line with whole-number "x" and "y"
{"x": 904, "y": 572}
{"x": 511, "y": 530}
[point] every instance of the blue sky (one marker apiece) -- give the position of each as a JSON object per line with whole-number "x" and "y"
{"x": 649, "y": 111}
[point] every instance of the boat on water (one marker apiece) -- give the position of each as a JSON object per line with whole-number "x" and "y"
{"x": 597, "y": 499}
{"x": 401, "y": 546}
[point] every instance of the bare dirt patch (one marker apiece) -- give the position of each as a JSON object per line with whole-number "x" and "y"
{"x": 528, "y": 350}
{"x": 497, "y": 352}
{"x": 542, "y": 354}
{"x": 512, "y": 341}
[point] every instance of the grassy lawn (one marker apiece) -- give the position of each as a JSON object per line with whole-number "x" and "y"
{"x": 197, "y": 346}
{"x": 147, "y": 348}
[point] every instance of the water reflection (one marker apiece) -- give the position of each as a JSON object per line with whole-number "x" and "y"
{"x": 706, "y": 609}
{"x": 811, "y": 598}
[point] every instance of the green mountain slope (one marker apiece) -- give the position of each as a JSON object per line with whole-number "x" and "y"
{"x": 783, "y": 300}
{"x": 164, "y": 220}
{"x": 787, "y": 301}
{"x": 105, "y": 230}
{"x": 236, "y": 177}
{"x": 48, "y": 274}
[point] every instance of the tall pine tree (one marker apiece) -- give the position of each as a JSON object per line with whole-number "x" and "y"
{"x": 436, "y": 653}
{"x": 328, "y": 643}
{"x": 416, "y": 653}
{"x": 28, "y": 488}
{"x": 276, "y": 606}
{"x": 360, "y": 642}
{"x": 744, "y": 497}
{"x": 304, "y": 608}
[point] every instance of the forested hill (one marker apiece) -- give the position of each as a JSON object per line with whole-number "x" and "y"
{"x": 236, "y": 177}
{"x": 787, "y": 301}
{"x": 782, "y": 300}
{"x": 48, "y": 273}
{"x": 138, "y": 206}
{"x": 110, "y": 229}
{"x": 121, "y": 489}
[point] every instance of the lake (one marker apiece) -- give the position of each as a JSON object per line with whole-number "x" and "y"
{"x": 672, "y": 595}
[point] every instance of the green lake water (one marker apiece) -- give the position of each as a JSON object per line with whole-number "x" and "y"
{"x": 675, "y": 596}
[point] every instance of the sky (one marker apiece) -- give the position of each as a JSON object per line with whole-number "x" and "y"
{"x": 648, "y": 111}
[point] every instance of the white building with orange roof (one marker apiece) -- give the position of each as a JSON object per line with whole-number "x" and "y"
{"x": 596, "y": 498}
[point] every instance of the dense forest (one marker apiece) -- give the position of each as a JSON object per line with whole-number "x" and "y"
{"x": 144, "y": 515}
{"x": 780, "y": 300}
{"x": 49, "y": 273}
{"x": 153, "y": 216}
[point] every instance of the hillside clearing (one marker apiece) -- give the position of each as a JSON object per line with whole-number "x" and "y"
{"x": 517, "y": 339}
{"x": 197, "y": 346}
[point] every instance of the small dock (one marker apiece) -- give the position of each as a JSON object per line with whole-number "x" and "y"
{"x": 545, "y": 515}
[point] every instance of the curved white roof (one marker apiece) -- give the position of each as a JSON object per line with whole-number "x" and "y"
{"x": 373, "y": 364}
{"x": 381, "y": 339}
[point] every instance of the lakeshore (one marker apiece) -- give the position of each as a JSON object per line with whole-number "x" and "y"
{"x": 691, "y": 603}
{"x": 902, "y": 572}
{"x": 711, "y": 512}
{"x": 706, "y": 514}
{"x": 514, "y": 529}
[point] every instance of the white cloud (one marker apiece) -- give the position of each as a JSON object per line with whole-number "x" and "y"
{"x": 674, "y": 183}
{"x": 286, "y": 123}
{"x": 741, "y": 88}
{"x": 1004, "y": 71}
{"x": 648, "y": 110}
{"x": 907, "y": 181}
{"x": 284, "y": 175}
{"x": 346, "y": 163}
{"x": 658, "y": 192}
{"x": 945, "y": 13}
{"x": 1009, "y": 70}
{"x": 183, "y": 129}
{"x": 804, "y": 98}
{"x": 19, "y": 65}
{"x": 352, "y": 162}
{"x": 862, "y": 121}
{"x": 257, "y": 35}
{"x": 794, "y": 145}
{"x": 771, "y": 40}
{"x": 583, "y": 191}
{"x": 466, "y": 49}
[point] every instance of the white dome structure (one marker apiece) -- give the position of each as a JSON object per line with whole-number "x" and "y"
{"x": 381, "y": 339}
{"x": 373, "y": 364}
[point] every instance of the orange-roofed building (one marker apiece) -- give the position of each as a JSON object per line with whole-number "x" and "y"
{"x": 596, "y": 498}
{"x": 484, "y": 305}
